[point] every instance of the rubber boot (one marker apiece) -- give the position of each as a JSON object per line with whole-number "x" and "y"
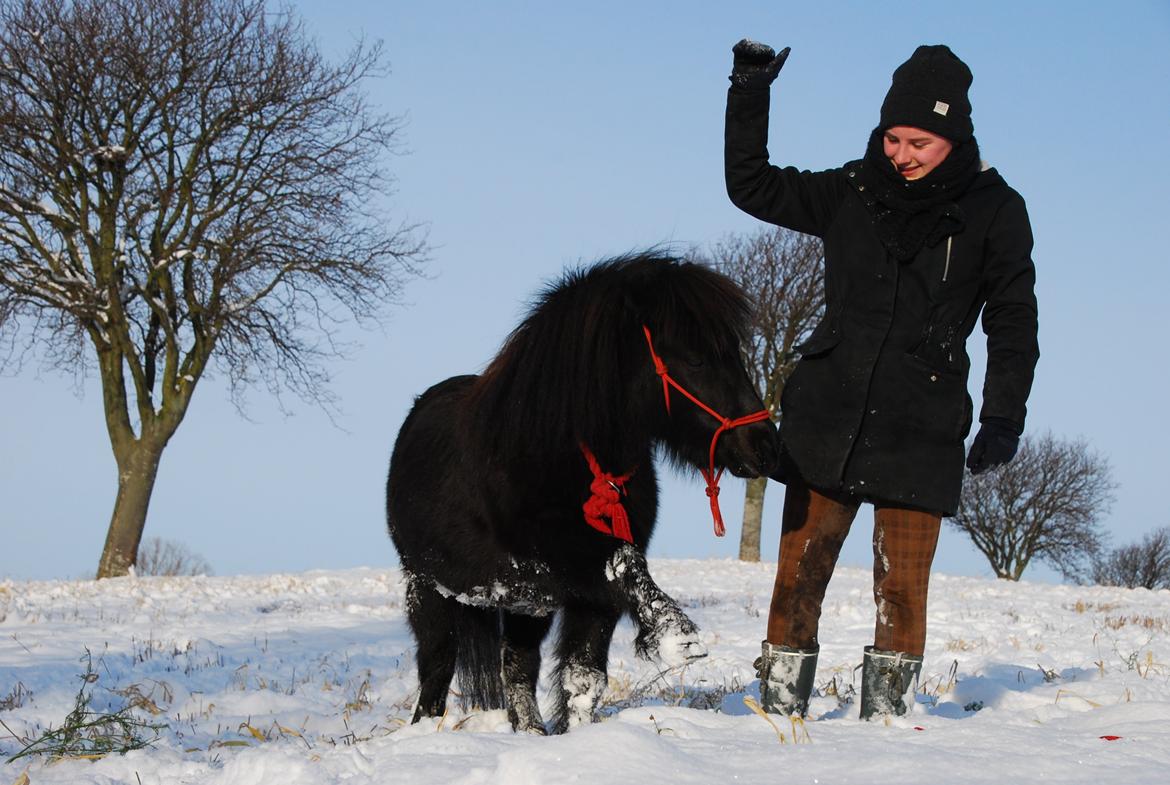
{"x": 888, "y": 682}
{"x": 786, "y": 678}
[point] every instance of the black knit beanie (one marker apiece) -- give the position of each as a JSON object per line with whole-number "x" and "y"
{"x": 929, "y": 91}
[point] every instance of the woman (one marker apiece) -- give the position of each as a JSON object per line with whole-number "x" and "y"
{"x": 919, "y": 238}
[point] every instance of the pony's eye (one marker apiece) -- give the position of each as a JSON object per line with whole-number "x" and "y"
{"x": 693, "y": 362}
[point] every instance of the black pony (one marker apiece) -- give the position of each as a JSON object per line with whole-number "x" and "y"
{"x": 531, "y": 488}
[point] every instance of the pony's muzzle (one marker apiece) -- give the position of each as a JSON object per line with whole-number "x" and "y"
{"x": 750, "y": 451}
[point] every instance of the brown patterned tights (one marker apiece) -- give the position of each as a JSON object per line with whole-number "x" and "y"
{"x": 814, "y": 527}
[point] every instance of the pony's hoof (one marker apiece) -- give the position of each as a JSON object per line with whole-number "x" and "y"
{"x": 674, "y": 640}
{"x": 675, "y": 650}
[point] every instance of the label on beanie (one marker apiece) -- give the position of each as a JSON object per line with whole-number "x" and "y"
{"x": 941, "y": 108}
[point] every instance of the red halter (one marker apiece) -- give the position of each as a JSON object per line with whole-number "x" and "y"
{"x": 725, "y": 424}
{"x": 607, "y": 488}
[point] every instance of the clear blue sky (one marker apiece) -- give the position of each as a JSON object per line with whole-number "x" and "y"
{"x": 540, "y": 135}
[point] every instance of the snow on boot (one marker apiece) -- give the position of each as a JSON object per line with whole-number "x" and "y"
{"x": 888, "y": 682}
{"x": 786, "y": 678}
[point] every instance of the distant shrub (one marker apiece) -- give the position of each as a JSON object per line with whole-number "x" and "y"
{"x": 157, "y": 556}
{"x": 1144, "y": 564}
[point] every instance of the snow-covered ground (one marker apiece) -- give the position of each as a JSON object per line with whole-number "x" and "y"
{"x": 309, "y": 678}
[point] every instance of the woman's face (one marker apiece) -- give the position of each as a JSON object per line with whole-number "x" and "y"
{"x": 913, "y": 151}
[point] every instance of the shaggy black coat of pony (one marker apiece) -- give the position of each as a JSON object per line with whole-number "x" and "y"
{"x": 488, "y": 479}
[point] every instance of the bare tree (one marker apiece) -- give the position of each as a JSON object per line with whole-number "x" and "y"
{"x": 185, "y": 185}
{"x": 1044, "y": 504}
{"x": 157, "y": 556}
{"x": 1145, "y": 564}
{"x": 782, "y": 271}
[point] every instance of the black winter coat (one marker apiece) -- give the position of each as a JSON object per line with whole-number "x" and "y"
{"x": 878, "y": 404}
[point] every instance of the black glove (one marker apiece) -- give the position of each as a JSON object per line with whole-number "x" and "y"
{"x": 756, "y": 65}
{"x": 995, "y": 444}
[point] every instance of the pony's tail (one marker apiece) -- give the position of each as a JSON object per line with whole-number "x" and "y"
{"x": 478, "y": 665}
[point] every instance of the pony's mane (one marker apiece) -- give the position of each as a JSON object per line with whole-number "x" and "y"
{"x": 565, "y": 374}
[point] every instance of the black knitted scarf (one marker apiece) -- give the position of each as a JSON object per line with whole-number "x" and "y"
{"x": 911, "y": 213}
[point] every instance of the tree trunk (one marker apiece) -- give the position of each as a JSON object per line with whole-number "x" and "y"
{"x": 137, "y": 470}
{"x": 753, "y": 516}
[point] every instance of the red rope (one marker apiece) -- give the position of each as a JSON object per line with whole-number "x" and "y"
{"x": 725, "y": 424}
{"x": 606, "y": 500}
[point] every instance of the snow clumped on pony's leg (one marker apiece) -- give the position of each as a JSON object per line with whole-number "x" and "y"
{"x": 665, "y": 632}
{"x": 581, "y": 674}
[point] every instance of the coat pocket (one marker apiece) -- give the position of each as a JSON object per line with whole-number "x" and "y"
{"x": 936, "y": 404}
{"x": 932, "y": 372}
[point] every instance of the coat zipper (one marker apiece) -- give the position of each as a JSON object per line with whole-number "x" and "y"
{"x": 947, "y": 268}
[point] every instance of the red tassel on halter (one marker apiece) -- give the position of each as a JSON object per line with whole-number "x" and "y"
{"x": 605, "y": 502}
{"x": 713, "y": 495}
